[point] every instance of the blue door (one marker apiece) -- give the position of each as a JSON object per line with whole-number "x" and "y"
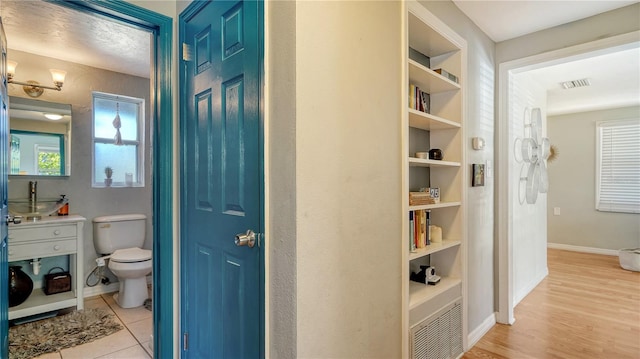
{"x": 221, "y": 180}
{"x": 4, "y": 211}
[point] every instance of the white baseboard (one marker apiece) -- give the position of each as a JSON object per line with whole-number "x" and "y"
{"x": 101, "y": 289}
{"x": 568, "y": 247}
{"x": 481, "y": 330}
{"x": 104, "y": 289}
{"x": 531, "y": 286}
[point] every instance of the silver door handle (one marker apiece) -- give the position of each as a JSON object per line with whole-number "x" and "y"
{"x": 246, "y": 239}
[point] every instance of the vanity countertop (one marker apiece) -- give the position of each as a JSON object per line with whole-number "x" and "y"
{"x": 49, "y": 220}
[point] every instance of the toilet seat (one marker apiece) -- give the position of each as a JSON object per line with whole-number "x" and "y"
{"x": 131, "y": 255}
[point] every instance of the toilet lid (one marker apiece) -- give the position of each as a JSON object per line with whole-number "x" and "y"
{"x": 130, "y": 255}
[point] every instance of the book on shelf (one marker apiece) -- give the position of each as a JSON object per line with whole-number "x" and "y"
{"x": 412, "y": 243}
{"x": 418, "y": 99}
{"x": 419, "y": 229}
{"x": 419, "y": 57}
{"x": 444, "y": 73}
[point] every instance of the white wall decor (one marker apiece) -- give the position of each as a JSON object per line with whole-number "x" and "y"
{"x": 532, "y": 150}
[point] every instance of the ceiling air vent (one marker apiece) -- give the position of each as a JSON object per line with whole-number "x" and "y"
{"x": 575, "y": 83}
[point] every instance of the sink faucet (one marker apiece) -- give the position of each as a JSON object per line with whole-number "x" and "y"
{"x": 33, "y": 194}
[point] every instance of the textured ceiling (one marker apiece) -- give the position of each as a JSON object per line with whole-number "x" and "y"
{"x": 55, "y": 31}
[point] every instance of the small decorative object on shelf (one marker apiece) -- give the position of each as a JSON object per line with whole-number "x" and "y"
{"x": 422, "y": 155}
{"x": 108, "y": 171}
{"x": 451, "y": 77}
{"x": 435, "y": 234}
{"x": 20, "y": 286}
{"x": 434, "y": 193}
{"x": 435, "y": 154}
{"x": 426, "y": 275}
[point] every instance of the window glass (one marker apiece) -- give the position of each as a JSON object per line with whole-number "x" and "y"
{"x": 125, "y": 159}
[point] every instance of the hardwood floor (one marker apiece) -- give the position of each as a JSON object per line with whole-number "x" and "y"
{"x": 588, "y": 307}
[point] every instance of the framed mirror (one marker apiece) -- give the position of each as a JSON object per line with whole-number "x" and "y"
{"x": 40, "y": 138}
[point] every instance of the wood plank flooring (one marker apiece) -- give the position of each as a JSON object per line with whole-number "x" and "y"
{"x": 588, "y": 307}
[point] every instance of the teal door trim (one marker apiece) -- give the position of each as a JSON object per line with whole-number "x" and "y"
{"x": 161, "y": 94}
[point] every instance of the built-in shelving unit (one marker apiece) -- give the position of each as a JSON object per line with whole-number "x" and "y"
{"x": 439, "y": 126}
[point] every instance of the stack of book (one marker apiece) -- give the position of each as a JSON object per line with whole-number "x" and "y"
{"x": 418, "y": 99}
{"x": 421, "y": 198}
{"x": 419, "y": 222}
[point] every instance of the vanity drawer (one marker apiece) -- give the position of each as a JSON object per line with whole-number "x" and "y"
{"x": 41, "y": 249}
{"x": 39, "y": 233}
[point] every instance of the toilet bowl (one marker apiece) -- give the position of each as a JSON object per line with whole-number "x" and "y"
{"x": 131, "y": 266}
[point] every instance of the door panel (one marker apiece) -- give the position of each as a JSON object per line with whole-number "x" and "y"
{"x": 221, "y": 180}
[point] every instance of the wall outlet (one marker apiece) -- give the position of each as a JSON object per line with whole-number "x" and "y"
{"x": 556, "y": 211}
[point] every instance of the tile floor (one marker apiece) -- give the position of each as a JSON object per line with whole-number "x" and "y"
{"x": 132, "y": 342}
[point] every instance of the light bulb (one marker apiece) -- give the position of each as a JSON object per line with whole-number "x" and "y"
{"x": 11, "y": 68}
{"x": 53, "y": 116}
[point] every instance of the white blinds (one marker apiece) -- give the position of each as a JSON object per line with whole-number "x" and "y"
{"x": 618, "y": 166}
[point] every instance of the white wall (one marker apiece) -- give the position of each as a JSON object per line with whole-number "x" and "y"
{"x": 479, "y": 123}
{"x": 572, "y": 177}
{"x": 348, "y": 179}
{"x": 528, "y": 221}
{"x": 88, "y": 202}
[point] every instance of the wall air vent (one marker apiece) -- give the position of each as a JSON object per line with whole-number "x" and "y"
{"x": 575, "y": 83}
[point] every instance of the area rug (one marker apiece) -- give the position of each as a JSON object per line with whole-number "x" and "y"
{"x": 51, "y": 335}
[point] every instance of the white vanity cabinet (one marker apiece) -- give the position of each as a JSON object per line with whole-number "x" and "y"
{"x": 49, "y": 237}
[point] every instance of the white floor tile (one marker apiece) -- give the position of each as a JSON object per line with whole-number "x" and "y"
{"x": 141, "y": 329}
{"x": 122, "y": 339}
{"x": 135, "y": 352}
{"x": 127, "y": 315}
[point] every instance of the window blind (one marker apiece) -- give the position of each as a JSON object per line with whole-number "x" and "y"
{"x": 618, "y": 166}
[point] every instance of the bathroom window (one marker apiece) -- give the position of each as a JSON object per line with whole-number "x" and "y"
{"x": 118, "y": 145}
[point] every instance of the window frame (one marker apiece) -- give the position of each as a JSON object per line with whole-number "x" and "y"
{"x": 616, "y": 207}
{"x": 139, "y": 143}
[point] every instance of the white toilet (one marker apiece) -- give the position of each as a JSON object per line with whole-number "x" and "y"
{"x": 121, "y": 236}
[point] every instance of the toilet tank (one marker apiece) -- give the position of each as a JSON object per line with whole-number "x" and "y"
{"x": 118, "y": 232}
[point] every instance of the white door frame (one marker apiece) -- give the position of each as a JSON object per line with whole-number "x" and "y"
{"x": 505, "y": 187}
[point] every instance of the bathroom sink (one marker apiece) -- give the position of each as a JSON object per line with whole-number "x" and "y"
{"x": 30, "y": 210}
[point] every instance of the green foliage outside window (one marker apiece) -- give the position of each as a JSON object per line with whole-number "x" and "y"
{"x": 49, "y": 163}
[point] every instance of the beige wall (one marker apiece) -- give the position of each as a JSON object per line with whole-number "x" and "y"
{"x": 348, "y": 179}
{"x": 573, "y": 179}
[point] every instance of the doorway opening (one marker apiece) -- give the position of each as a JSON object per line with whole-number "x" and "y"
{"x": 158, "y": 91}
{"x": 514, "y": 280}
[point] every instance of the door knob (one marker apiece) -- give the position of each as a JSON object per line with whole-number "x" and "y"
{"x": 246, "y": 239}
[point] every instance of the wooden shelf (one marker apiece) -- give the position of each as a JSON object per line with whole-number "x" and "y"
{"x": 434, "y": 206}
{"x": 433, "y": 248}
{"x": 427, "y": 121}
{"x": 420, "y": 293}
{"x": 39, "y": 302}
{"x": 421, "y": 162}
{"x": 428, "y": 80}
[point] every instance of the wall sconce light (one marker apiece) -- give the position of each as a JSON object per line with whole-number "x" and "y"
{"x": 33, "y": 88}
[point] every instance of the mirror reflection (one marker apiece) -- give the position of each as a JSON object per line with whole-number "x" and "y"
{"x": 40, "y": 138}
